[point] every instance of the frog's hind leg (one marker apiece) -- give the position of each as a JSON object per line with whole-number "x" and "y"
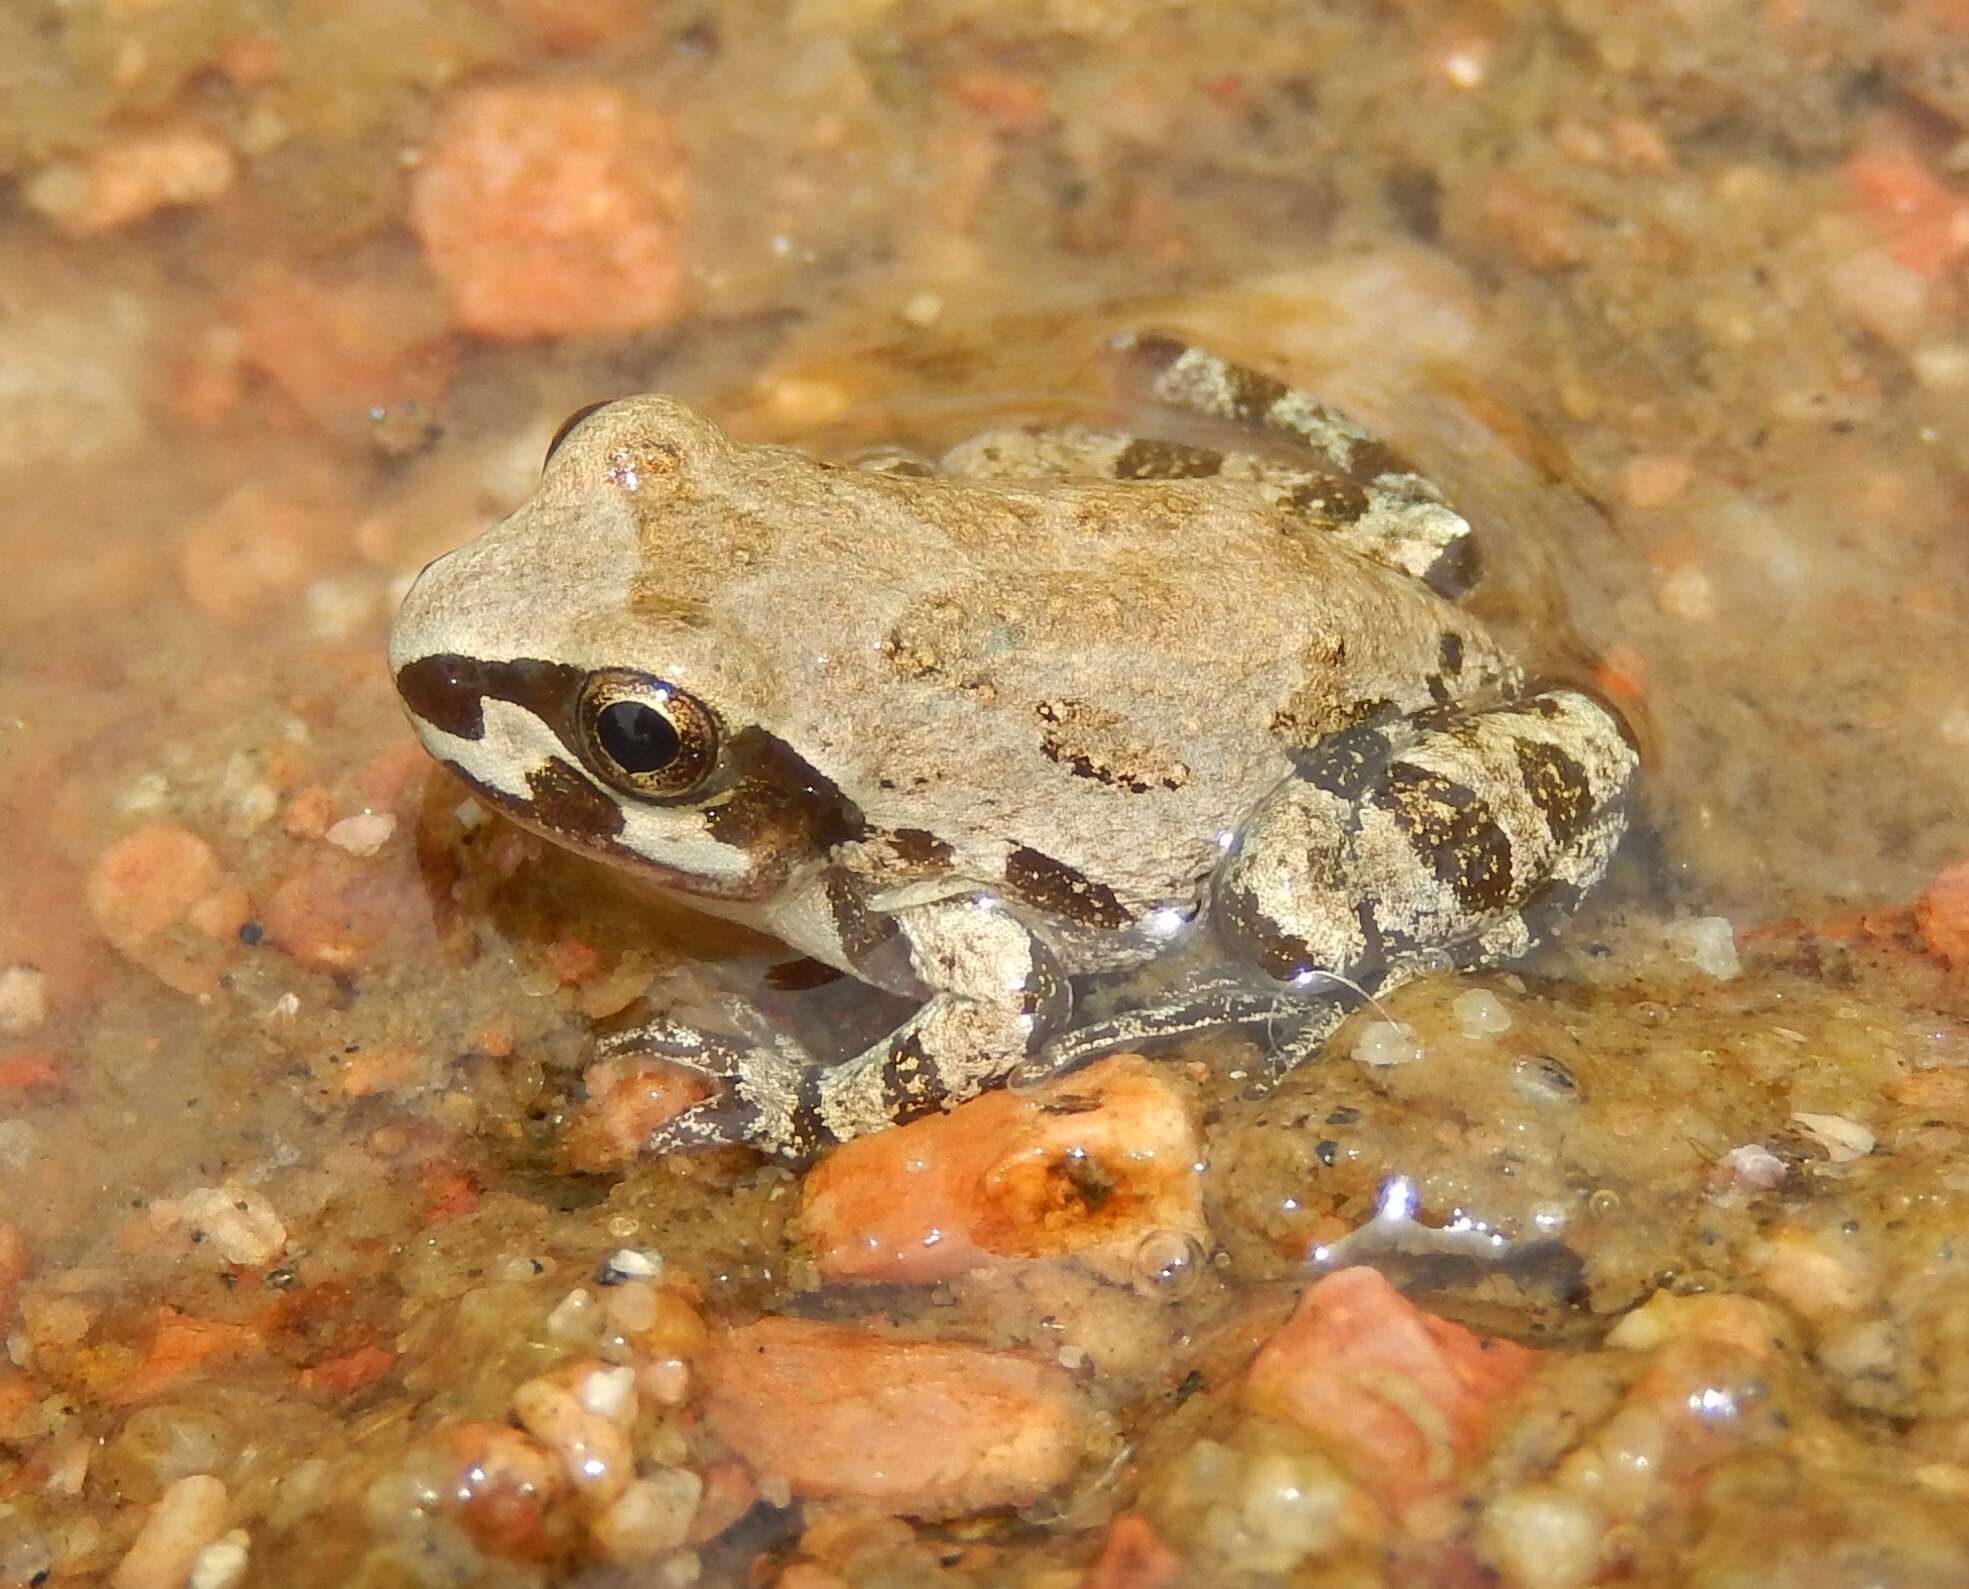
{"x": 1354, "y": 486}
{"x": 1450, "y": 839}
{"x": 1417, "y": 536}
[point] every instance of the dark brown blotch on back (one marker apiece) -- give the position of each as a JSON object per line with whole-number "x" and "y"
{"x": 919, "y": 847}
{"x": 1166, "y": 460}
{"x": 1092, "y": 742}
{"x": 1084, "y": 766}
{"x": 1369, "y": 459}
{"x": 1152, "y": 352}
{"x": 1457, "y": 568}
{"x": 1251, "y": 395}
{"x": 1053, "y": 886}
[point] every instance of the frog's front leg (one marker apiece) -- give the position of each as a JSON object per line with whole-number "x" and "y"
{"x": 992, "y": 993}
{"x": 1450, "y": 839}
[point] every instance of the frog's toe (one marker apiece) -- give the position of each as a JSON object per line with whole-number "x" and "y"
{"x": 763, "y": 1095}
{"x": 725, "y": 1120}
{"x": 709, "y": 1055}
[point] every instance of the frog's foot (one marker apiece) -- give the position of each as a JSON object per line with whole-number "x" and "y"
{"x": 1206, "y": 1006}
{"x": 1292, "y": 1023}
{"x": 756, "y": 1079}
{"x": 995, "y": 993}
{"x": 1453, "y": 839}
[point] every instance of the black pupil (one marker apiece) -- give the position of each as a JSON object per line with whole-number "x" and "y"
{"x": 638, "y": 738}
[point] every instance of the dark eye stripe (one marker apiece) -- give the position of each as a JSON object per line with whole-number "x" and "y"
{"x": 570, "y": 805}
{"x": 450, "y": 691}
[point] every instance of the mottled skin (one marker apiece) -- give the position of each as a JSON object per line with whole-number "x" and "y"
{"x": 966, "y": 735}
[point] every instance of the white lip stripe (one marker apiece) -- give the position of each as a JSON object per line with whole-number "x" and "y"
{"x": 517, "y": 744}
{"x": 514, "y": 744}
{"x": 674, "y": 838}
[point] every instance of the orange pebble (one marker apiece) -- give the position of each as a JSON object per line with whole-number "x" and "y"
{"x": 1404, "y": 1393}
{"x": 554, "y": 209}
{"x": 144, "y": 888}
{"x": 1013, "y": 1177}
{"x": 1942, "y": 915}
{"x": 926, "y": 1428}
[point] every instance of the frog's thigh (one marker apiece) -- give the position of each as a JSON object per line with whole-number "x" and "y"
{"x": 1456, "y": 838}
{"x": 1415, "y": 534}
{"x": 1402, "y": 518}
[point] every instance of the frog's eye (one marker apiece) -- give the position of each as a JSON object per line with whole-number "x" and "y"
{"x": 567, "y": 428}
{"x": 646, "y": 738}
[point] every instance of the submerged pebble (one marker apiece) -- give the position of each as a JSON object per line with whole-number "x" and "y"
{"x": 220, "y": 1564}
{"x": 23, "y": 999}
{"x": 652, "y": 1515}
{"x": 1541, "y": 1538}
{"x": 1843, "y": 1140}
{"x": 189, "y": 1516}
{"x": 1708, "y": 943}
{"x": 241, "y": 1225}
{"x": 362, "y": 834}
{"x": 1753, "y": 1165}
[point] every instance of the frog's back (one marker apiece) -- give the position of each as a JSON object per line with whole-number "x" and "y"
{"x": 1108, "y": 674}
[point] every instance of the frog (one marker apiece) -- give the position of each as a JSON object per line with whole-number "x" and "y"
{"x": 1065, "y": 705}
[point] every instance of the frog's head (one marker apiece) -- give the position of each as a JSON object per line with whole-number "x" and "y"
{"x": 551, "y": 666}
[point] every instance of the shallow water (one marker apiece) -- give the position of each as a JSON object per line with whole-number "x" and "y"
{"x": 301, "y": 1151}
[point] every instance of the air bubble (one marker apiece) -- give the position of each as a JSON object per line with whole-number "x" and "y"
{"x": 1168, "y": 1263}
{"x": 1603, "y": 1204}
{"x": 1481, "y": 1013}
{"x": 1383, "y": 1043}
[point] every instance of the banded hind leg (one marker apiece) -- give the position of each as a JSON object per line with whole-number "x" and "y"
{"x": 1450, "y": 839}
{"x": 1335, "y": 480}
{"x": 1355, "y": 486}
